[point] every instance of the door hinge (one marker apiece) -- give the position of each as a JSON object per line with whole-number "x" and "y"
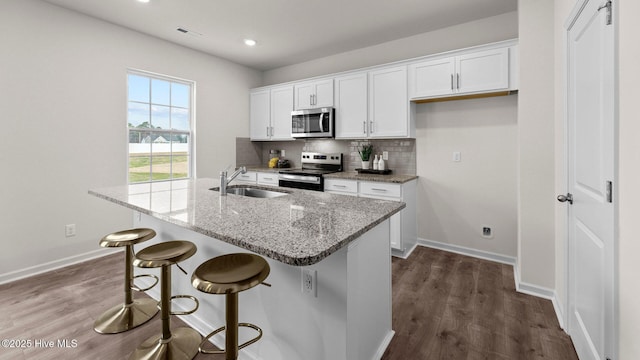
{"x": 607, "y": 6}
{"x": 609, "y": 191}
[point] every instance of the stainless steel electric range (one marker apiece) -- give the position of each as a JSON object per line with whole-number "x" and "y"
{"x": 310, "y": 176}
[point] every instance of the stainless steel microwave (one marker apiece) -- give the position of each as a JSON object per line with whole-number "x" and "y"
{"x": 313, "y": 123}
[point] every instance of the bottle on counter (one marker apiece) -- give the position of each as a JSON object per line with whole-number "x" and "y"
{"x": 381, "y": 164}
{"x": 375, "y": 163}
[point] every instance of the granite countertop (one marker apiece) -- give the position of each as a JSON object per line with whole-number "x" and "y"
{"x": 299, "y": 229}
{"x": 391, "y": 178}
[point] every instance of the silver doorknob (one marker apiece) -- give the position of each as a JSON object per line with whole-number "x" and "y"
{"x": 565, "y": 198}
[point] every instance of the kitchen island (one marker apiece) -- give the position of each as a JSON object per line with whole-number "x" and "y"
{"x": 341, "y": 241}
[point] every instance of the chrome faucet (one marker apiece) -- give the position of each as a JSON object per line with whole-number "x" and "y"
{"x": 225, "y": 180}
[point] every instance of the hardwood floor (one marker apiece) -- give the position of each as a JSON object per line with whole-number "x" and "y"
{"x": 445, "y": 306}
{"x": 450, "y": 306}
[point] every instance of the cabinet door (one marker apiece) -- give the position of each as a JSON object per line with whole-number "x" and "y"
{"x": 304, "y": 95}
{"x": 432, "y": 78}
{"x": 281, "y": 107}
{"x": 351, "y": 106}
{"x": 388, "y": 103}
{"x": 259, "y": 114}
{"x": 323, "y": 94}
{"x": 314, "y": 94}
{"x": 483, "y": 71}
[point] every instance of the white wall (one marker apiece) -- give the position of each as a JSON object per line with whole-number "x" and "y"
{"x": 491, "y": 29}
{"x": 536, "y": 122}
{"x": 63, "y": 101}
{"x": 450, "y": 209}
{"x": 458, "y": 198}
{"x": 629, "y": 178}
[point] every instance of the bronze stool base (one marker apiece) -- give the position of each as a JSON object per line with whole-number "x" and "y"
{"x": 121, "y": 318}
{"x": 182, "y": 345}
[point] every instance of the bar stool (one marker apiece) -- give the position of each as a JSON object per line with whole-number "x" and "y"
{"x": 230, "y": 274}
{"x": 183, "y": 342}
{"x": 131, "y": 313}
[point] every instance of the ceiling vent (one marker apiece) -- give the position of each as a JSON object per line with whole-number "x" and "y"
{"x": 189, "y": 32}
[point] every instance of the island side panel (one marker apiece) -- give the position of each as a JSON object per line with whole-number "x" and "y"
{"x": 369, "y": 296}
{"x": 295, "y": 325}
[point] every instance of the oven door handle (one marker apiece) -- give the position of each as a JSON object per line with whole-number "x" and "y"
{"x": 301, "y": 178}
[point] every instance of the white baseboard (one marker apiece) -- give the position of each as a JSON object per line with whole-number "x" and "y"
{"x": 480, "y": 254}
{"x": 403, "y": 254}
{"x": 54, "y": 265}
{"x": 541, "y": 292}
{"x": 385, "y": 343}
{"x": 521, "y": 287}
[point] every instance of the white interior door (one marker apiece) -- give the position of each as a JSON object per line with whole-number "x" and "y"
{"x": 591, "y": 274}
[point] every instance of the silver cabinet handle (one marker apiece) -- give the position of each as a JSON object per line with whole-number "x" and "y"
{"x": 268, "y": 178}
{"x": 272, "y": 131}
{"x": 267, "y": 131}
{"x": 364, "y": 127}
{"x": 376, "y": 189}
{"x": 339, "y": 186}
{"x": 371, "y": 127}
{"x": 458, "y": 81}
{"x": 452, "y": 82}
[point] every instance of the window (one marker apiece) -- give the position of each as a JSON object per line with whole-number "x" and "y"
{"x": 159, "y": 119}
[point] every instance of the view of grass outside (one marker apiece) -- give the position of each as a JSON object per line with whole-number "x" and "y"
{"x": 141, "y": 168}
{"x": 158, "y": 121}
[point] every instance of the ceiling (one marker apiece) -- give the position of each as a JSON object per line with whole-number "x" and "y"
{"x": 287, "y": 31}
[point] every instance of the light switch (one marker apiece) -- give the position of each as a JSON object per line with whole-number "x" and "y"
{"x": 456, "y": 156}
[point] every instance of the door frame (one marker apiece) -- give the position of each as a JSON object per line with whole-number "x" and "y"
{"x": 571, "y": 19}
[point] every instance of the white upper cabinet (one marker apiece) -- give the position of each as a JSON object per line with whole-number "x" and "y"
{"x": 260, "y": 115}
{"x": 471, "y": 73}
{"x": 373, "y": 104}
{"x": 483, "y": 71}
{"x": 388, "y": 103}
{"x": 351, "y": 102}
{"x": 281, "y": 108}
{"x": 270, "y": 113}
{"x": 314, "y": 94}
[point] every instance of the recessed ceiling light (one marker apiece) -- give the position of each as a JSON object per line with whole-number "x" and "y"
{"x": 249, "y": 42}
{"x": 143, "y": 1}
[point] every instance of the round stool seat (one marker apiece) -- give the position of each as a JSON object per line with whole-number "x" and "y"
{"x": 164, "y": 253}
{"x": 230, "y": 273}
{"x": 127, "y": 237}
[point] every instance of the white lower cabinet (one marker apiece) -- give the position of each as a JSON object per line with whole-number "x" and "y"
{"x": 247, "y": 178}
{"x": 403, "y": 225}
{"x": 340, "y": 186}
{"x": 268, "y": 178}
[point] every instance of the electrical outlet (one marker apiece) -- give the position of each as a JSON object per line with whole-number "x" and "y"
{"x": 486, "y": 232}
{"x": 309, "y": 285}
{"x": 385, "y": 155}
{"x": 282, "y": 152}
{"x": 456, "y": 156}
{"x": 70, "y": 230}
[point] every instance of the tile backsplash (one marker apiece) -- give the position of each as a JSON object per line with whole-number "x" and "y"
{"x": 402, "y": 152}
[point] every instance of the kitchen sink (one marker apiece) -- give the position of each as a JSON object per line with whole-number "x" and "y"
{"x": 252, "y": 192}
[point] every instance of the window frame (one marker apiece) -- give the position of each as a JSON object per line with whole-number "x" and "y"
{"x": 190, "y": 133}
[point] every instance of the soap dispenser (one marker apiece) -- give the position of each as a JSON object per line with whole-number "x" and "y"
{"x": 381, "y": 164}
{"x": 375, "y": 162}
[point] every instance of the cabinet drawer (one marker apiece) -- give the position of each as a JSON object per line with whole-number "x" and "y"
{"x": 249, "y": 177}
{"x": 380, "y": 189}
{"x": 268, "y": 178}
{"x": 342, "y": 186}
